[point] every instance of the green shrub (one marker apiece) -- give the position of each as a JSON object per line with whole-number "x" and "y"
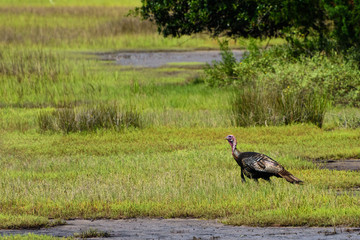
{"x": 88, "y": 119}
{"x": 223, "y": 72}
{"x": 278, "y": 68}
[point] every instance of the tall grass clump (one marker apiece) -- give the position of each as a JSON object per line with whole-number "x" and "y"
{"x": 344, "y": 117}
{"x": 88, "y": 119}
{"x": 92, "y": 233}
{"x": 254, "y": 106}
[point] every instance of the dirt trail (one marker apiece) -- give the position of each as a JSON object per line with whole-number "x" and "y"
{"x": 189, "y": 229}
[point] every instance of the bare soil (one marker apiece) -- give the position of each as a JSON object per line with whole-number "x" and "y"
{"x": 189, "y": 229}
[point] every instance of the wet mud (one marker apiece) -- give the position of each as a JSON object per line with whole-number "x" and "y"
{"x": 340, "y": 165}
{"x": 188, "y": 229}
{"x": 155, "y": 59}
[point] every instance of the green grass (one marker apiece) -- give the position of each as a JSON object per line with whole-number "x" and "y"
{"x": 86, "y": 28}
{"x": 92, "y": 233}
{"x": 178, "y": 173}
{"x": 127, "y": 3}
{"x": 178, "y": 164}
{"x": 9, "y": 221}
{"x": 31, "y": 236}
{"x": 88, "y": 119}
{"x": 260, "y": 106}
{"x": 91, "y": 26}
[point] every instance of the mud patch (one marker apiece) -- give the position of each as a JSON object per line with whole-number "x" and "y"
{"x": 188, "y": 229}
{"x": 155, "y": 59}
{"x": 340, "y": 165}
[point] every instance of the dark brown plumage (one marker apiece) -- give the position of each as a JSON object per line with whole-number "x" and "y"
{"x": 256, "y": 165}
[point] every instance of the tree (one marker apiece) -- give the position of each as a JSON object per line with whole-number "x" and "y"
{"x": 234, "y": 18}
{"x": 336, "y": 21}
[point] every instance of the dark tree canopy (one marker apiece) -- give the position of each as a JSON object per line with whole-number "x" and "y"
{"x": 345, "y": 16}
{"x": 332, "y": 19}
{"x": 234, "y": 18}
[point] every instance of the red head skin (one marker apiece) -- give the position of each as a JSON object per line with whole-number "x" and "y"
{"x": 232, "y": 141}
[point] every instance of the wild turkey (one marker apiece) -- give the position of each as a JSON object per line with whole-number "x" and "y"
{"x": 256, "y": 165}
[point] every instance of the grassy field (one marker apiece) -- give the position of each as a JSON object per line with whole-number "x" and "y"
{"x": 31, "y": 237}
{"x": 88, "y": 25}
{"x": 177, "y": 163}
{"x": 56, "y": 3}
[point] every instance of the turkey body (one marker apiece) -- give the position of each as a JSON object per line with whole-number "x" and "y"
{"x": 256, "y": 165}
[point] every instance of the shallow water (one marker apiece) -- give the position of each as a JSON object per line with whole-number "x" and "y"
{"x": 161, "y": 58}
{"x": 189, "y": 229}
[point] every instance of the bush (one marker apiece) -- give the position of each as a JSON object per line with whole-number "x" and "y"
{"x": 279, "y": 69}
{"x": 223, "y": 72}
{"x": 88, "y": 119}
{"x": 277, "y": 86}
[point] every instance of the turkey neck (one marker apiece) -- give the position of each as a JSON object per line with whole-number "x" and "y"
{"x": 236, "y": 153}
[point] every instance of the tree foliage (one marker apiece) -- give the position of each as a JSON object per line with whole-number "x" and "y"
{"x": 345, "y": 16}
{"x": 334, "y": 20}
{"x": 255, "y": 18}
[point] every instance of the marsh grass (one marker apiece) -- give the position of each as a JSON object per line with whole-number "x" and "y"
{"x": 92, "y": 233}
{"x": 69, "y": 26}
{"x": 54, "y": 3}
{"x": 179, "y": 165}
{"x": 32, "y": 236}
{"x": 37, "y": 77}
{"x": 86, "y": 27}
{"x": 26, "y": 222}
{"x": 253, "y": 106}
{"x": 89, "y": 119}
{"x": 91, "y": 27}
{"x": 343, "y": 118}
{"x": 29, "y": 65}
{"x": 169, "y": 172}
{"x": 32, "y": 79}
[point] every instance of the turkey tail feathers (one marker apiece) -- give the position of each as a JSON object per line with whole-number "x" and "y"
{"x": 289, "y": 177}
